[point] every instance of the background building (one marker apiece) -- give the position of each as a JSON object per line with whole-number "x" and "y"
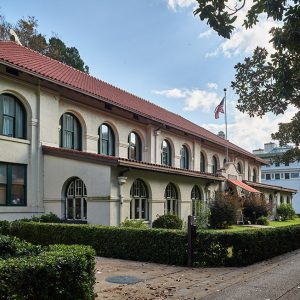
{"x": 280, "y": 174}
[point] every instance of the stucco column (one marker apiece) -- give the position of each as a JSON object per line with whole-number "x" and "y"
{"x": 156, "y": 134}
{"x": 121, "y": 180}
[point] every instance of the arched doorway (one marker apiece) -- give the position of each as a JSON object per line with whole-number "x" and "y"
{"x": 76, "y": 205}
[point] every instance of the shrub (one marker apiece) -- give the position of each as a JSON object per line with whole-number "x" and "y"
{"x": 134, "y": 224}
{"x": 168, "y": 221}
{"x": 223, "y": 211}
{"x": 202, "y": 215}
{"x": 56, "y": 272}
{"x": 286, "y": 212}
{"x": 262, "y": 221}
{"x": 47, "y": 218}
{"x": 255, "y": 207}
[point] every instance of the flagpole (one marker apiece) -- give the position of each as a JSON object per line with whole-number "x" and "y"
{"x": 227, "y": 160}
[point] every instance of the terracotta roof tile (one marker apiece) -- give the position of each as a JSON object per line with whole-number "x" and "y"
{"x": 48, "y": 68}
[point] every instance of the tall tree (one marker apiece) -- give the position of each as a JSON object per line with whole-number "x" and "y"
{"x": 26, "y": 29}
{"x": 265, "y": 82}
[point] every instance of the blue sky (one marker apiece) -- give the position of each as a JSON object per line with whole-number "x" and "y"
{"x": 157, "y": 50}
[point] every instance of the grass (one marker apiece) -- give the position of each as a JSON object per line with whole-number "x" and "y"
{"x": 296, "y": 221}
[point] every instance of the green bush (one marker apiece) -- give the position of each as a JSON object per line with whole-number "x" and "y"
{"x": 168, "y": 221}
{"x": 223, "y": 211}
{"x": 202, "y": 215}
{"x": 255, "y": 207}
{"x": 56, "y": 272}
{"x": 47, "y": 218}
{"x": 134, "y": 224}
{"x": 286, "y": 212}
{"x": 262, "y": 221}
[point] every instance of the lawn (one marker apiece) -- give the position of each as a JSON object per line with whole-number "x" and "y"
{"x": 296, "y": 221}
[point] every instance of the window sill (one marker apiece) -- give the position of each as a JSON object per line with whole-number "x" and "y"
{"x": 12, "y": 139}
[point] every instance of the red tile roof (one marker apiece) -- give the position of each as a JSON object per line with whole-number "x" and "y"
{"x": 42, "y": 66}
{"x": 243, "y": 185}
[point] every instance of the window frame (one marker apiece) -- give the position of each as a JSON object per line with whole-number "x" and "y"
{"x": 134, "y": 147}
{"x": 195, "y": 199}
{"x": 202, "y": 162}
{"x": 166, "y": 155}
{"x": 214, "y": 166}
{"x": 9, "y": 185}
{"x": 17, "y": 104}
{"x": 111, "y": 138}
{"x": 171, "y": 200}
{"x": 142, "y": 196}
{"x": 184, "y": 157}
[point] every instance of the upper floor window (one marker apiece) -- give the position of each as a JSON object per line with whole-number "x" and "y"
{"x": 214, "y": 165}
{"x": 12, "y": 184}
{"x": 166, "y": 153}
{"x": 286, "y": 164}
{"x": 106, "y": 140}
{"x": 134, "y": 147}
{"x": 202, "y": 162}
{"x": 254, "y": 176}
{"x": 184, "y": 160}
{"x": 12, "y": 117}
{"x": 70, "y": 132}
{"x": 277, "y": 164}
{"x": 239, "y": 168}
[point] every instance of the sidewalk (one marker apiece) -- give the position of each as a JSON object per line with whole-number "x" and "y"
{"x": 278, "y": 278}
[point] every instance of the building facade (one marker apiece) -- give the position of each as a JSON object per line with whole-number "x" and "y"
{"x": 90, "y": 152}
{"x": 280, "y": 174}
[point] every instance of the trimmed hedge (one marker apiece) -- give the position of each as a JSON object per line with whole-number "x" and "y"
{"x": 166, "y": 246}
{"x": 55, "y": 272}
{"x": 160, "y": 246}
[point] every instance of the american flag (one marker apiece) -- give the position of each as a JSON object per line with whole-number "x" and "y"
{"x": 219, "y": 109}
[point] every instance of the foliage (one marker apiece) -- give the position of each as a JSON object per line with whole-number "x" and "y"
{"x": 255, "y": 207}
{"x": 168, "y": 221}
{"x": 262, "y": 221}
{"x": 223, "y": 210}
{"x": 26, "y": 30}
{"x": 47, "y": 218}
{"x": 286, "y": 211}
{"x": 202, "y": 214}
{"x": 134, "y": 224}
{"x": 55, "y": 272}
{"x": 265, "y": 83}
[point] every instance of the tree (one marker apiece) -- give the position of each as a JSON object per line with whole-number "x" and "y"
{"x": 265, "y": 82}
{"x": 26, "y": 29}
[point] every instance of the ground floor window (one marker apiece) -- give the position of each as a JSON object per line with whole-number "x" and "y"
{"x": 171, "y": 196}
{"x": 139, "y": 207}
{"x": 12, "y": 184}
{"x": 197, "y": 202}
{"x": 76, "y": 206}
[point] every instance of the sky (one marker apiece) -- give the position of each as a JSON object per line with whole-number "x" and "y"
{"x": 158, "y": 50}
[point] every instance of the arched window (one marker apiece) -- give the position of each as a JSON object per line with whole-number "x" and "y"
{"x": 281, "y": 199}
{"x": 166, "y": 153}
{"x": 184, "y": 159}
{"x": 171, "y": 196}
{"x": 70, "y": 132}
{"x": 271, "y": 199}
{"x": 214, "y": 165}
{"x": 224, "y": 162}
{"x": 254, "y": 177}
{"x": 239, "y": 168}
{"x": 106, "y": 145}
{"x": 139, "y": 207}
{"x": 202, "y": 162}
{"x": 12, "y": 117}
{"x": 76, "y": 206}
{"x": 196, "y": 201}
{"x": 288, "y": 200}
{"x": 134, "y": 146}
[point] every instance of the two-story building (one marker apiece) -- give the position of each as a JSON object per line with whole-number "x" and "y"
{"x": 88, "y": 151}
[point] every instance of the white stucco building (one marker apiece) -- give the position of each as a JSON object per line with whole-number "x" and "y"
{"x": 88, "y": 151}
{"x": 280, "y": 174}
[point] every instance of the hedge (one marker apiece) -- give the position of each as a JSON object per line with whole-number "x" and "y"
{"x": 165, "y": 246}
{"x": 155, "y": 245}
{"x": 54, "y": 272}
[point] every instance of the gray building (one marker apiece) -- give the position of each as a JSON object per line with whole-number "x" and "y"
{"x": 280, "y": 174}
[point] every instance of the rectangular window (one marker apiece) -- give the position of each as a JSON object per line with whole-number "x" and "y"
{"x": 286, "y": 164}
{"x": 272, "y": 176}
{"x": 12, "y": 184}
{"x": 286, "y": 175}
{"x": 294, "y": 175}
{"x": 277, "y": 176}
{"x": 268, "y": 176}
{"x": 277, "y": 164}
{"x": 263, "y": 176}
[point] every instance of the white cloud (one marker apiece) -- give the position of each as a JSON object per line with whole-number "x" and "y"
{"x": 212, "y": 85}
{"x": 194, "y": 99}
{"x": 205, "y": 34}
{"x": 174, "y": 4}
{"x": 251, "y": 133}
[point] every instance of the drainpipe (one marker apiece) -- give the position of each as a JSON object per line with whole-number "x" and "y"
{"x": 121, "y": 181}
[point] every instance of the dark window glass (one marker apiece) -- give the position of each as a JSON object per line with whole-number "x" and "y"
{"x": 277, "y": 176}
{"x": 184, "y": 159}
{"x": 196, "y": 201}
{"x": 294, "y": 175}
{"x": 239, "y": 168}
{"x": 202, "y": 162}
{"x": 214, "y": 165}
{"x": 254, "y": 177}
{"x": 268, "y": 176}
{"x": 286, "y": 175}
{"x": 70, "y": 132}
{"x": 12, "y": 184}
{"x": 139, "y": 200}
{"x": 134, "y": 146}
{"x": 12, "y": 117}
{"x": 171, "y": 205}
{"x": 106, "y": 140}
{"x": 286, "y": 164}
{"x": 166, "y": 153}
